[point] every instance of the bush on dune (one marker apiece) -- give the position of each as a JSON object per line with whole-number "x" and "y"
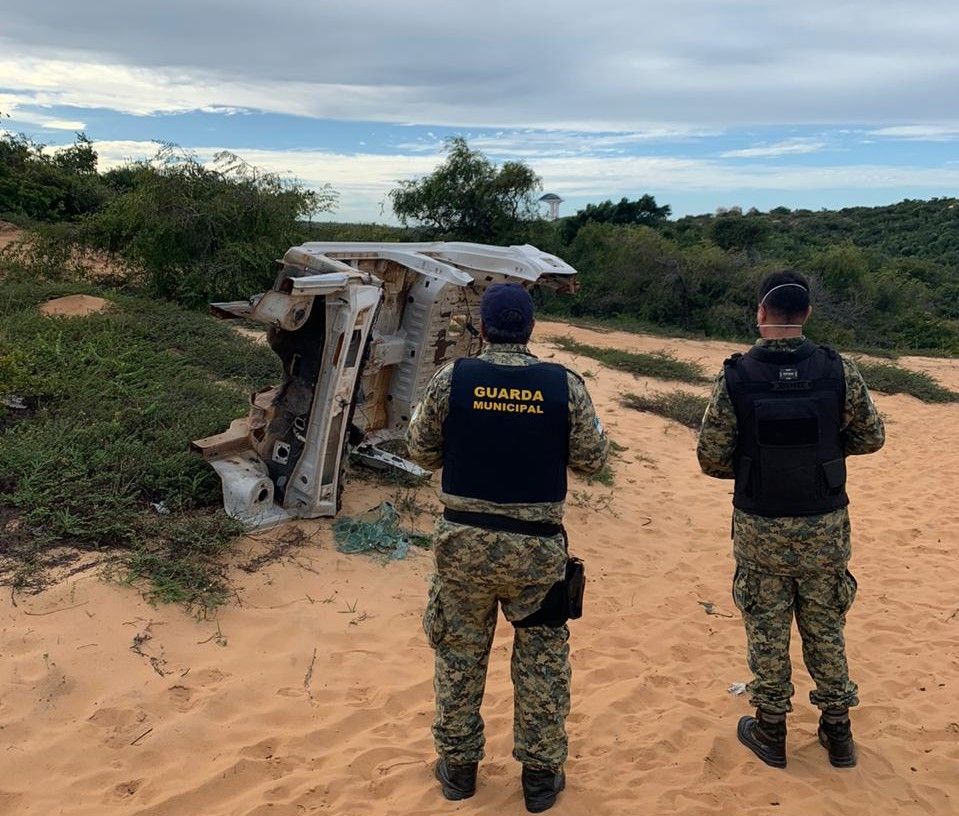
{"x": 680, "y": 406}
{"x": 892, "y": 379}
{"x": 204, "y": 233}
{"x": 660, "y": 365}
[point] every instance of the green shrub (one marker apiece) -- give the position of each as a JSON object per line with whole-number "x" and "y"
{"x": 891, "y": 379}
{"x": 37, "y": 184}
{"x": 114, "y": 400}
{"x": 204, "y": 233}
{"x": 661, "y": 365}
{"x": 679, "y": 406}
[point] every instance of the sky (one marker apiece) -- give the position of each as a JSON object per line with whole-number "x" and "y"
{"x": 701, "y": 103}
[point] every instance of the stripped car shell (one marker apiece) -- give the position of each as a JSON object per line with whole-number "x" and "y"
{"x": 360, "y": 328}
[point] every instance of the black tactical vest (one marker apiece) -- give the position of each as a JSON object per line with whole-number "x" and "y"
{"x": 506, "y": 436}
{"x": 789, "y": 457}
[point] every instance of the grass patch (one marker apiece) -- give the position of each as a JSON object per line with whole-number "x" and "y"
{"x": 891, "y": 379}
{"x": 679, "y": 406}
{"x": 604, "y": 477}
{"x": 114, "y": 399}
{"x": 615, "y": 448}
{"x": 661, "y": 365}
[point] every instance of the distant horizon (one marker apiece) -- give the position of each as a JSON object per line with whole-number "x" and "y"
{"x": 330, "y": 218}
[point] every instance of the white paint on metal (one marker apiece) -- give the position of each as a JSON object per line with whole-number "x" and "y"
{"x": 248, "y": 490}
{"x": 425, "y": 299}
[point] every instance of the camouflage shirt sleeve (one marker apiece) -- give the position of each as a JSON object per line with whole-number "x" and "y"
{"x": 424, "y": 437}
{"x": 588, "y": 445}
{"x": 863, "y": 429}
{"x": 717, "y": 436}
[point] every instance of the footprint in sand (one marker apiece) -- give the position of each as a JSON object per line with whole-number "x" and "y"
{"x": 209, "y": 677}
{"x": 185, "y": 697}
{"x": 121, "y": 725}
{"x": 181, "y": 697}
{"x": 292, "y": 691}
{"x": 264, "y": 749}
{"x": 126, "y": 789}
{"x": 8, "y": 800}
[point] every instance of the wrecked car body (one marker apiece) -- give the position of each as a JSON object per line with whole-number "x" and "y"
{"x": 360, "y": 329}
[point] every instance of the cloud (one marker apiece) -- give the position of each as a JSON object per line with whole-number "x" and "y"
{"x": 11, "y": 105}
{"x": 919, "y": 133}
{"x": 613, "y": 66}
{"x": 627, "y": 175}
{"x": 529, "y": 143}
{"x": 789, "y": 148}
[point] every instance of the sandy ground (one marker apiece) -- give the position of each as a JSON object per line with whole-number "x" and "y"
{"x": 90, "y": 265}
{"x": 9, "y": 234}
{"x": 74, "y": 306}
{"x": 313, "y": 693}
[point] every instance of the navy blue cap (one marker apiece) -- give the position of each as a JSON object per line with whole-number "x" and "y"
{"x": 507, "y": 310}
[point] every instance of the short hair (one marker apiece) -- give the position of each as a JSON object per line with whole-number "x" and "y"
{"x": 785, "y": 293}
{"x": 508, "y": 337}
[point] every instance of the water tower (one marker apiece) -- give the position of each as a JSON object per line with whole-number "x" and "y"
{"x": 554, "y": 201}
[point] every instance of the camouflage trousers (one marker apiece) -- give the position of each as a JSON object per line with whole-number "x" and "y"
{"x": 477, "y": 571}
{"x": 819, "y": 602}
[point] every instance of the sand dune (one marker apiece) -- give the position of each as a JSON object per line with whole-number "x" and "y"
{"x": 313, "y": 693}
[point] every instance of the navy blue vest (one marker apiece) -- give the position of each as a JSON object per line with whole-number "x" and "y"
{"x": 506, "y": 435}
{"x": 789, "y": 458}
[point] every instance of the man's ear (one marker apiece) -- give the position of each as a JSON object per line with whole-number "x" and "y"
{"x": 761, "y": 314}
{"x": 808, "y": 313}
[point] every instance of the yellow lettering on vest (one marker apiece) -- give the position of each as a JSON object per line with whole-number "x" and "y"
{"x": 520, "y": 399}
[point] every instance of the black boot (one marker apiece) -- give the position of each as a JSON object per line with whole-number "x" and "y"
{"x": 835, "y": 734}
{"x": 765, "y": 736}
{"x": 541, "y": 786}
{"x": 458, "y": 781}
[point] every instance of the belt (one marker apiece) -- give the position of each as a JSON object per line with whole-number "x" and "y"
{"x": 503, "y": 524}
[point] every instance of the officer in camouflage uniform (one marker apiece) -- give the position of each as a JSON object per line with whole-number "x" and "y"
{"x": 505, "y": 427}
{"x": 781, "y": 421}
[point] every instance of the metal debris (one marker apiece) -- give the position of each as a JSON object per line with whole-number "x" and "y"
{"x": 360, "y": 328}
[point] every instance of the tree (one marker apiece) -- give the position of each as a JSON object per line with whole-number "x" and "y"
{"x": 739, "y": 232}
{"x": 468, "y": 198}
{"x": 643, "y": 211}
{"x": 202, "y": 232}
{"x": 38, "y": 183}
